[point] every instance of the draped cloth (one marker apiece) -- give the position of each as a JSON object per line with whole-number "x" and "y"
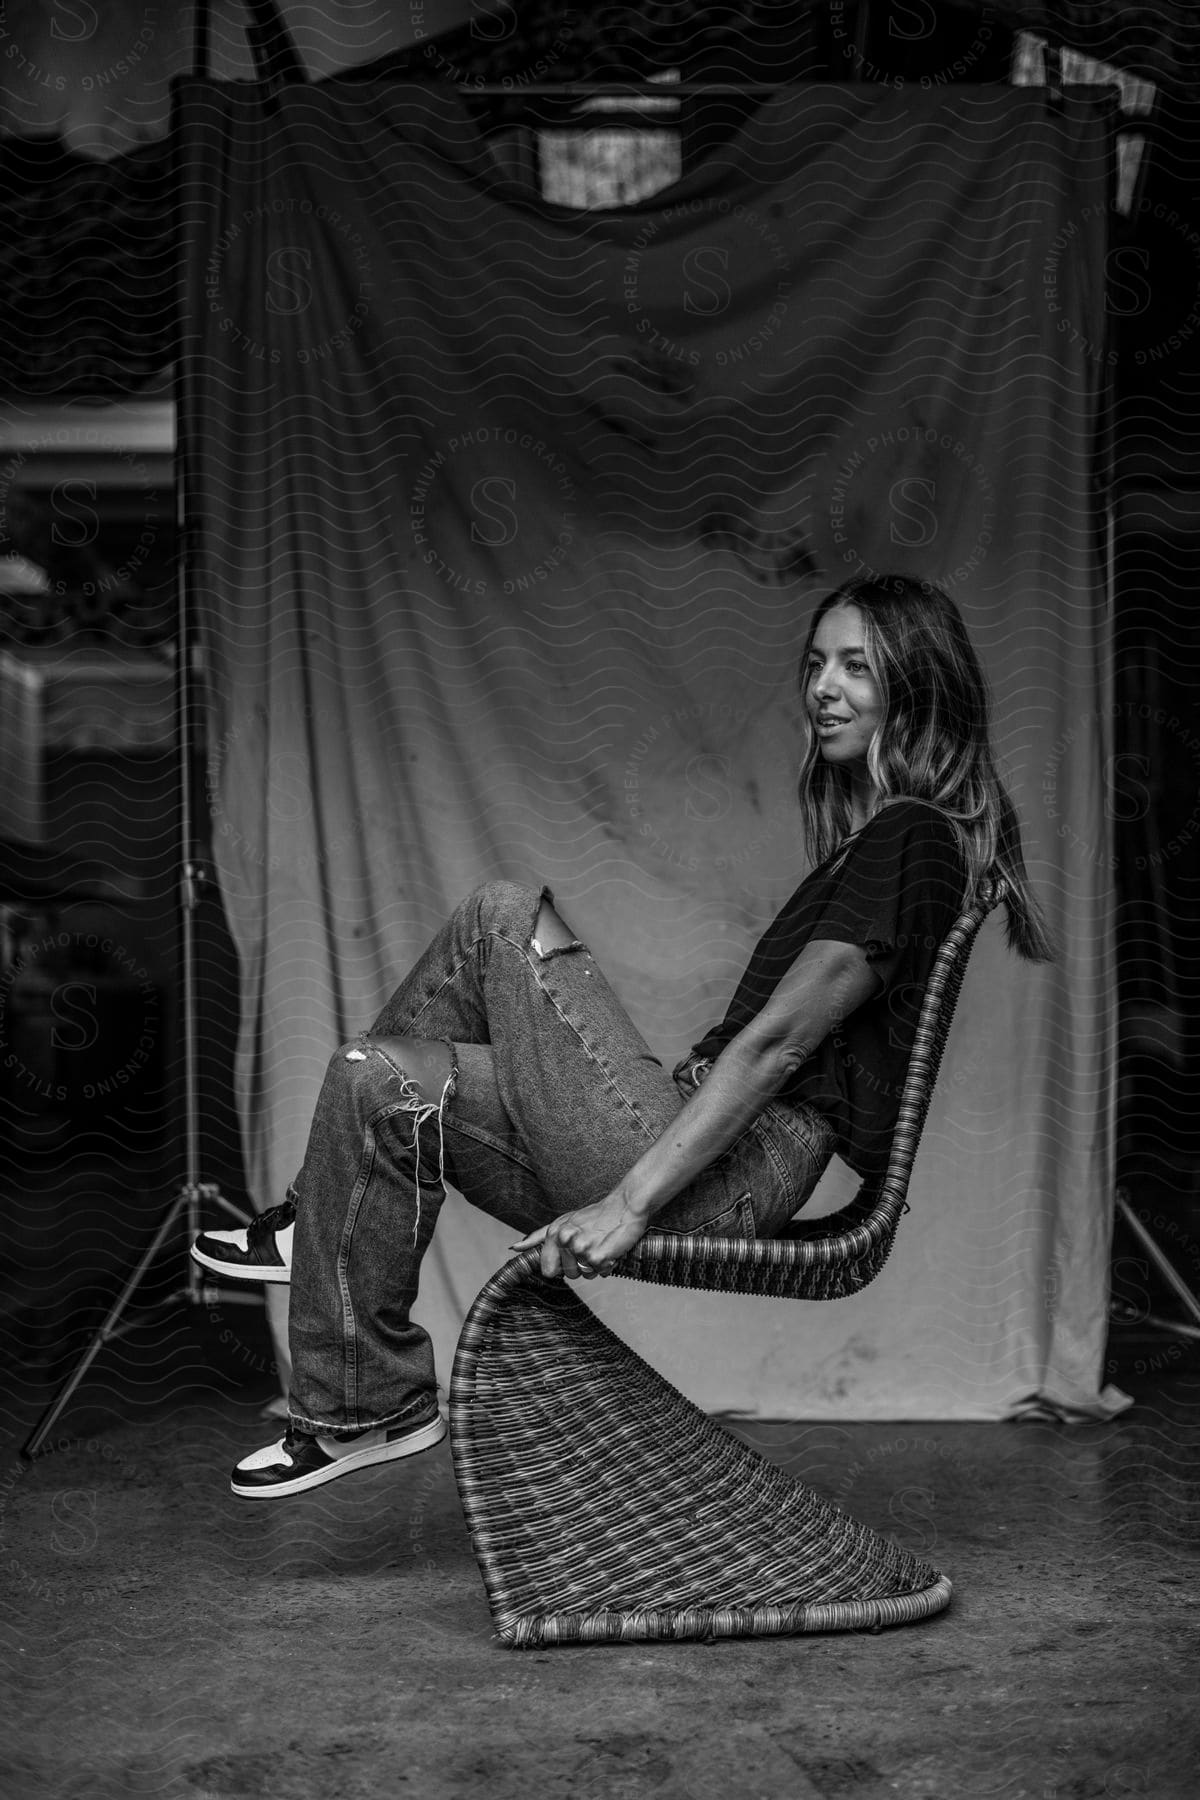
{"x": 508, "y": 524}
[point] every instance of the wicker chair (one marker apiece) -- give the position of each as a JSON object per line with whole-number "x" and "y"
{"x": 605, "y": 1507}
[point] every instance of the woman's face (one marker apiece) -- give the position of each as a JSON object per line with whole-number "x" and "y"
{"x": 840, "y": 694}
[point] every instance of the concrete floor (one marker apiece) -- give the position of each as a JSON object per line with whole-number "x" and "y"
{"x": 162, "y": 1638}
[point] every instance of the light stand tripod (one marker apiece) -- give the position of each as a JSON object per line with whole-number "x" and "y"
{"x": 1167, "y": 1270}
{"x": 192, "y": 1195}
{"x": 186, "y": 1207}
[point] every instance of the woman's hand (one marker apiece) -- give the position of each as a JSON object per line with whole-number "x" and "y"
{"x": 590, "y": 1240}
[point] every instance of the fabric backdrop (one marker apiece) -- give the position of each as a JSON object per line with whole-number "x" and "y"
{"x": 509, "y": 524}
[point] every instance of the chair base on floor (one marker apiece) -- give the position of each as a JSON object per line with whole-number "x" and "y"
{"x": 604, "y": 1507}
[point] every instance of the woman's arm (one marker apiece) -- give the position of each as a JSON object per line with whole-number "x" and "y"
{"x": 825, "y": 983}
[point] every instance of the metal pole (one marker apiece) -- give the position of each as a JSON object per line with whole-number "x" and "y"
{"x": 862, "y": 32}
{"x": 659, "y": 90}
{"x": 202, "y": 24}
{"x": 193, "y": 873}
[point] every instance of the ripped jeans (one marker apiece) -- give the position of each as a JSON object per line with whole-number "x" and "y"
{"x": 552, "y": 1097}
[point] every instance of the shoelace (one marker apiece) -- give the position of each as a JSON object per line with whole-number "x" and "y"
{"x": 273, "y": 1219}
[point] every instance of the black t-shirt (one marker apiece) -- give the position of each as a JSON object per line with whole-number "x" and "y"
{"x": 895, "y": 887}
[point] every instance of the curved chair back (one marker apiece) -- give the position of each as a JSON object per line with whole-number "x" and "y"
{"x": 830, "y": 1257}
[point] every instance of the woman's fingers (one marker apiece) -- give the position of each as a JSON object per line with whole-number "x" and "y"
{"x": 532, "y": 1240}
{"x": 567, "y": 1250}
{"x": 589, "y": 1262}
{"x": 563, "y": 1252}
{"x": 556, "y": 1254}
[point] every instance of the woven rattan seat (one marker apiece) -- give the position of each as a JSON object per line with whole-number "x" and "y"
{"x": 605, "y": 1507}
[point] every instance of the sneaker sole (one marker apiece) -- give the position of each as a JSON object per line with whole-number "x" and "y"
{"x": 242, "y": 1271}
{"x": 425, "y": 1439}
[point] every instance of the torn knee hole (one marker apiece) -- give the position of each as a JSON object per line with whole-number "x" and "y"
{"x": 425, "y": 1069}
{"x": 425, "y": 1073}
{"x": 546, "y": 951}
{"x": 550, "y": 935}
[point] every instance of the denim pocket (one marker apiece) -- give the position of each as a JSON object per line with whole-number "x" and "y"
{"x": 735, "y": 1221}
{"x": 796, "y": 1144}
{"x": 803, "y": 1125}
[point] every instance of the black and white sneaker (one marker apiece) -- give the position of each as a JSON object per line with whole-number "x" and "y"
{"x": 298, "y": 1461}
{"x": 260, "y": 1251}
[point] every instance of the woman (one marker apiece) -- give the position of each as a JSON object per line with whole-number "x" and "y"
{"x": 504, "y": 1059}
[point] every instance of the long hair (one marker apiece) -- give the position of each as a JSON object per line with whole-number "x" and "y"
{"x": 933, "y": 743}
